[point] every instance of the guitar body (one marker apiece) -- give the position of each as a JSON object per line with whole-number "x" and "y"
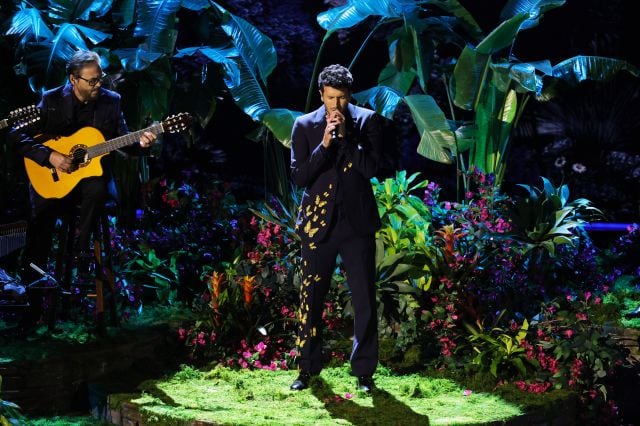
{"x": 51, "y": 183}
{"x": 86, "y": 147}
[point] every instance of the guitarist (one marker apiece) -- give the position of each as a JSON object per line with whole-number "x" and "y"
{"x": 81, "y": 102}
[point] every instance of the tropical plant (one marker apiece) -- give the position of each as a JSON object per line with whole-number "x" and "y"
{"x": 545, "y": 218}
{"x": 499, "y": 350}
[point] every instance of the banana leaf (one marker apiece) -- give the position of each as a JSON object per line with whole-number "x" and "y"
{"x": 401, "y": 49}
{"x": 356, "y": 11}
{"x": 146, "y": 93}
{"x": 45, "y": 62}
{"x": 123, "y": 12}
{"x": 522, "y": 74}
{"x": 468, "y": 77}
{"x": 255, "y": 48}
{"x": 280, "y": 122}
{"x": 77, "y": 10}
{"x": 28, "y": 24}
{"x": 437, "y": 141}
{"x": 580, "y": 68}
{"x": 156, "y": 21}
{"x": 196, "y": 5}
{"x": 400, "y": 81}
{"x": 503, "y": 35}
{"x": 456, "y": 9}
{"x": 423, "y": 48}
{"x": 535, "y": 9}
{"x": 384, "y": 100}
{"x": 136, "y": 59}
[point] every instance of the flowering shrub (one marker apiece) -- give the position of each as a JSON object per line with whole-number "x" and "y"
{"x": 247, "y": 311}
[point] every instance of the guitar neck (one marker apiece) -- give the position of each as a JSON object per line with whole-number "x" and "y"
{"x": 122, "y": 141}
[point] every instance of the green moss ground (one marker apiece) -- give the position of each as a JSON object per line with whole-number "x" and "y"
{"x": 263, "y": 397}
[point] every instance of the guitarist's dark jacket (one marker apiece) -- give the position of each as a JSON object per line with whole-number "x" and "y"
{"x": 57, "y": 119}
{"x": 337, "y": 177}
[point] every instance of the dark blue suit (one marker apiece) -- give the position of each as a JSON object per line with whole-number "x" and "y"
{"x": 337, "y": 216}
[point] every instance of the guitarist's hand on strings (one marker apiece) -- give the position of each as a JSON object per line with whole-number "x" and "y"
{"x": 61, "y": 162}
{"x": 147, "y": 139}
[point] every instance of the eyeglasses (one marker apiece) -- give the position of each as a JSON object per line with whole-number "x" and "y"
{"x": 92, "y": 82}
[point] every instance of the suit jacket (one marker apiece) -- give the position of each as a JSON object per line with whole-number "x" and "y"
{"x": 56, "y": 109}
{"x": 338, "y": 175}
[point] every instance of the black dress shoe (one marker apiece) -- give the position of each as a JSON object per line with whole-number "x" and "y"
{"x": 365, "y": 384}
{"x": 302, "y": 382}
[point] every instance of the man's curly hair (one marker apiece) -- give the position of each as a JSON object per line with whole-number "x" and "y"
{"x": 335, "y": 76}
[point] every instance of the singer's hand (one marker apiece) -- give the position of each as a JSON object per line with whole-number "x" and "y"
{"x": 333, "y": 131}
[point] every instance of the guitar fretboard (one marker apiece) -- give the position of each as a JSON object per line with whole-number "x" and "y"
{"x": 121, "y": 141}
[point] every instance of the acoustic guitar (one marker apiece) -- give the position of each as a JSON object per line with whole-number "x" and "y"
{"x": 21, "y": 117}
{"x": 86, "y": 147}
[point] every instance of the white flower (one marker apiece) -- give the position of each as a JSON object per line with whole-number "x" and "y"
{"x": 560, "y": 161}
{"x": 579, "y": 168}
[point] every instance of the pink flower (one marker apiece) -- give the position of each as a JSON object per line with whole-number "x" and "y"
{"x": 568, "y": 333}
{"x": 467, "y": 392}
{"x": 348, "y": 395}
{"x": 587, "y": 296}
{"x": 260, "y": 347}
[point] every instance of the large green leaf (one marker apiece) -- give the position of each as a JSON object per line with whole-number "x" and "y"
{"x": 534, "y": 8}
{"x": 45, "y": 62}
{"x": 521, "y": 77}
{"x": 196, "y": 5}
{"x": 280, "y": 122}
{"x": 384, "y": 100}
{"x": 246, "y": 91}
{"x": 136, "y": 59}
{"x": 74, "y": 10}
{"x": 401, "y": 53}
{"x": 502, "y": 36}
{"x": 123, "y": 12}
{"x": 156, "y": 22}
{"x": 356, "y": 11}
{"x": 437, "y": 140}
{"x": 456, "y": 9}
{"x": 579, "y": 68}
{"x": 423, "y": 48}
{"x": 255, "y": 48}
{"x": 400, "y": 81}
{"x": 468, "y": 77}
{"x": 29, "y": 25}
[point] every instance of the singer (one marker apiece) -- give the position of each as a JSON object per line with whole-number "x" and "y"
{"x": 335, "y": 152}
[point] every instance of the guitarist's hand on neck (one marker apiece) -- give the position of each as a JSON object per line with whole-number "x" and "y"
{"x": 147, "y": 139}
{"x": 61, "y": 162}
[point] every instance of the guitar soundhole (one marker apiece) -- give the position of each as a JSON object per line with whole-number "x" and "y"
{"x": 79, "y": 155}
